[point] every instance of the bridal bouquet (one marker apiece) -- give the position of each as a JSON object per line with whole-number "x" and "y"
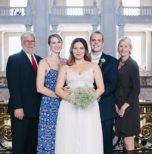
{"x": 82, "y": 97}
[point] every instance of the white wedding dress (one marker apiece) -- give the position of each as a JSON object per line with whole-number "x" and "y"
{"x": 79, "y": 130}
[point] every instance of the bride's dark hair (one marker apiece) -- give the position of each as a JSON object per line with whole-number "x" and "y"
{"x": 87, "y": 56}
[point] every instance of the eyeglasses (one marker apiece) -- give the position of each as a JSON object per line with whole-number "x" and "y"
{"x": 29, "y": 41}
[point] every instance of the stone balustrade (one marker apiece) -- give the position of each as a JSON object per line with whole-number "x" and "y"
{"x": 135, "y": 11}
{"x": 12, "y": 11}
{"x": 74, "y": 11}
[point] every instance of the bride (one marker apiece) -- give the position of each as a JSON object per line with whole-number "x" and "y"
{"x": 79, "y": 129}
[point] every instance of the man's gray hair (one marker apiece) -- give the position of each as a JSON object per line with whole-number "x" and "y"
{"x": 26, "y": 34}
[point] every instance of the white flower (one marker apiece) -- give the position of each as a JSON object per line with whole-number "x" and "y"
{"x": 82, "y": 97}
{"x": 103, "y": 60}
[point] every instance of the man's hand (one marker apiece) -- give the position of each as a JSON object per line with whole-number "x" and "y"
{"x": 19, "y": 113}
{"x": 67, "y": 89}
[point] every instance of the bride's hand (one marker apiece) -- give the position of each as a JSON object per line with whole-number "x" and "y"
{"x": 92, "y": 90}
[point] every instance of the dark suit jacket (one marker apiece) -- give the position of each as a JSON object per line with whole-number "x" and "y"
{"x": 109, "y": 70}
{"x": 21, "y": 78}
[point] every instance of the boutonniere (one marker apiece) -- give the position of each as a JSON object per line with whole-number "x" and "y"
{"x": 102, "y": 60}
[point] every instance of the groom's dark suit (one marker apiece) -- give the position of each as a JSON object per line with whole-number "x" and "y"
{"x": 109, "y": 69}
{"x": 21, "y": 78}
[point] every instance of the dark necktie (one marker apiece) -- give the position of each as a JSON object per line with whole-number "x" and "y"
{"x": 34, "y": 63}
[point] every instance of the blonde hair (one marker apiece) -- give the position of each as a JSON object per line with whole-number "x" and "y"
{"x": 126, "y": 40}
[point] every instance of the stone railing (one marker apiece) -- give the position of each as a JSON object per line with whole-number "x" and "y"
{"x": 135, "y": 11}
{"x": 15, "y": 11}
{"x": 74, "y": 11}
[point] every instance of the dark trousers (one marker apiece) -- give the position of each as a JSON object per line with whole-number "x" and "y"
{"x": 24, "y": 135}
{"x": 107, "y": 128}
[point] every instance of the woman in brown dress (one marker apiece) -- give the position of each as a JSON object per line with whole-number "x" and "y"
{"x": 127, "y": 104}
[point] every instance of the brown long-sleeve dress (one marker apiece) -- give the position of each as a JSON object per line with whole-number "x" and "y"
{"x": 128, "y": 91}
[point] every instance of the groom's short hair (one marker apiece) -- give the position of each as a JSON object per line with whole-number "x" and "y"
{"x": 97, "y": 32}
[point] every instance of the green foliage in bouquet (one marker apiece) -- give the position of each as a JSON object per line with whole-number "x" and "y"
{"x": 82, "y": 97}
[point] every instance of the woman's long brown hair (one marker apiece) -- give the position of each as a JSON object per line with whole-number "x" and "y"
{"x": 87, "y": 56}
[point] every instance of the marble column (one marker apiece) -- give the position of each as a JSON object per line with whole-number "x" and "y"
{"x": 94, "y": 27}
{"x": 148, "y": 50}
{"x": 54, "y": 29}
{"x": 41, "y": 26}
{"x": 108, "y": 25}
{"x": 121, "y": 31}
{"x": 28, "y": 13}
{"x": 28, "y": 27}
{"x": 1, "y": 51}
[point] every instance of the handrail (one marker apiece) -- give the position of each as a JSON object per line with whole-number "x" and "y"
{"x": 135, "y": 11}
{"x": 74, "y": 11}
{"x": 14, "y": 11}
{"x": 77, "y": 11}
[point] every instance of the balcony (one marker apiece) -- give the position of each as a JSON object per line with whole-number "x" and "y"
{"x": 15, "y": 15}
{"x": 141, "y": 15}
{"x": 63, "y": 14}
{"x": 87, "y": 15}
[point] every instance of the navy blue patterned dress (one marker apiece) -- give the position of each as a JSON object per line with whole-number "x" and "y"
{"x": 48, "y": 117}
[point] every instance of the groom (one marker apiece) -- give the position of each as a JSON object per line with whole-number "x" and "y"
{"x": 109, "y": 70}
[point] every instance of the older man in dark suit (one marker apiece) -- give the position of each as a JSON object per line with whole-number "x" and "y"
{"x": 109, "y": 70}
{"x": 24, "y": 100}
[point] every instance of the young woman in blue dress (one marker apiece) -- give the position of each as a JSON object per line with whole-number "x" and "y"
{"x": 46, "y": 83}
